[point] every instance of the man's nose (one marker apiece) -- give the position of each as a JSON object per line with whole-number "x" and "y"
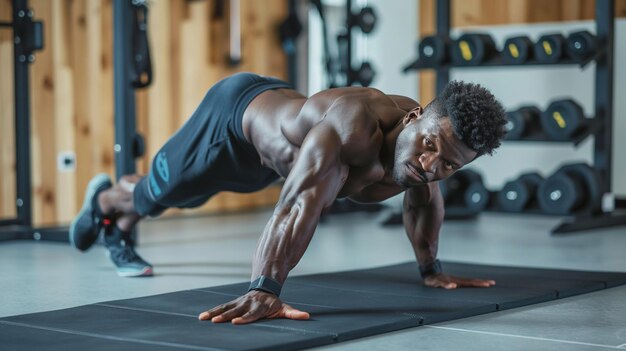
{"x": 429, "y": 163}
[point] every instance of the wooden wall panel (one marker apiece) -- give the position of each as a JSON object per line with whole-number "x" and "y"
{"x": 7, "y": 125}
{"x": 468, "y": 13}
{"x": 72, "y": 90}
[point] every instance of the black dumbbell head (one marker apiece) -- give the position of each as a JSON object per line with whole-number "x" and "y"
{"x": 561, "y": 194}
{"x": 581, "y": 45}
{"x": 366, "y": 19}
{"x": 572, "y": 189}
{"x": 476, "y": 197}
{"x": 550, "y": 48}
{"x": 365, "y": 74}
{"x": 521, "y": 122}
{"x": 465, "y": 189}
{"x": 518, "y": 194}
{"x": 563, "y": 119}
{"x": 433, "y": 50}
{"x": 473, "y": 49}
{"x": 517, "y": 50}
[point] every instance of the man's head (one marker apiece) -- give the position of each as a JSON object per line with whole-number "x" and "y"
{"x": 464, "y": 122}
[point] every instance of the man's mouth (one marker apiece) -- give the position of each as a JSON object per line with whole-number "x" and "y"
{"x": 418, "y": 173}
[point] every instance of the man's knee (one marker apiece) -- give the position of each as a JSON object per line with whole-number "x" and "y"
{"x": 128, "y": 182}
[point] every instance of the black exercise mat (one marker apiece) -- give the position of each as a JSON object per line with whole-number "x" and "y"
{"x": 343, "y": 306}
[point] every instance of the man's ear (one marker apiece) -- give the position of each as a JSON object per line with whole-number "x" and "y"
{"x": 413, "y": 115}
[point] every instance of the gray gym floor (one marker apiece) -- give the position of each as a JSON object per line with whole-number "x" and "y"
{"x": 214, "y": 250}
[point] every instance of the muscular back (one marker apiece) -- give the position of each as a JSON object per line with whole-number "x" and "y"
{"x": 278, "y": 121}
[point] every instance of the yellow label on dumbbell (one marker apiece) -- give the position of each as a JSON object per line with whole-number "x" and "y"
{"x": 547, "y": 47}
{"x": 513, "y": 50}
{"x": 559, "y": 119}
{"x": 466, "y": 52}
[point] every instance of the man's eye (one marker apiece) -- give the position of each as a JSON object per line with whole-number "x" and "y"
{"x": 428, "y": 142}
{"x": 448, "y": 165}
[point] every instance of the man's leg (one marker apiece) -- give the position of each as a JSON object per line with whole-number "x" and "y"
{"x": 109, "y": 209}
{"x": 118, "y": 200}
{"x": 117, "y": 204}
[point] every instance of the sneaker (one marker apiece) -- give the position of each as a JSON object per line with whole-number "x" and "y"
{"x": 121, "y": 251}
{"x": 89, "y": 222}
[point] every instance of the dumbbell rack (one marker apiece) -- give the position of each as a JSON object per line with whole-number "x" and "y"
{"x": 600, "y": 126}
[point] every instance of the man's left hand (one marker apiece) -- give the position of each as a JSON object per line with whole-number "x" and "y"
{"x": 445, "y": 281}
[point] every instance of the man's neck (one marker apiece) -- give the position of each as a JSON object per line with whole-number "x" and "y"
{"x": 388, "y": 149}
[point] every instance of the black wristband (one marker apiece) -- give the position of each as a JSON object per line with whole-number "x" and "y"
{"x": 267, "y": 284}
{"x": 430, "y": 268}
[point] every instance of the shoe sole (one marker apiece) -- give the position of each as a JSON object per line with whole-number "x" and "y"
{"x": 94, "y": 184}
{"x": 146, "y": 272}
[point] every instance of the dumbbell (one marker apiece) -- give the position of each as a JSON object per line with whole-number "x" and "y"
{"x": 550, "y": 48}
{"x": 365, "y": 20}
{"x": 473, "y": 49}
{"x": 364, "y": 75}
{"x": 563, "y": 119}
{"x": 434, "y": 50}
{"x": 465, "y": 189}
{"x": 581, "y": 45}
{"x": 522, "y": 122}
{"x": 572, "y": 188}
{"x": 518, "y": 194}
{"x": 517, "y": 49}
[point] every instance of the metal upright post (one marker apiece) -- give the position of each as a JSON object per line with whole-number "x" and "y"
{"x": 348, "y": 52}
{"x": 443, "y": 28}
{"x": 22, "y": 17}
{"x": 603, "y": 140}
{"x": 125, "y": 125}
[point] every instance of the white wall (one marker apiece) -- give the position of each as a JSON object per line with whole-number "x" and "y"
{"x": 388, "y": 48}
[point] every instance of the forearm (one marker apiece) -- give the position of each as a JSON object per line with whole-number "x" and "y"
{"x": 285, "y": 239}
{"x": 422, "y": 226}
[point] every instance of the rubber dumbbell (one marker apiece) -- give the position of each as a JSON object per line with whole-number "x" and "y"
{"x": 550, "y": 48}
{"x": 434, "y": 50}
{"x": 364, "y": 75}
{"x": 522, "y": 122}
{"x": 518, "y": 195}
{"x": 365, "y": 19}
{"x": 517, "y": 50}
{"x": 581, "y": 45}
{"x": 465, "y": 188}
{"x": 473, "y": 49}
{"x": 563, "y": 119}
{"x": 572, "y": 188}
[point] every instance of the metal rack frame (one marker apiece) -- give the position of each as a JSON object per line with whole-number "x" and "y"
{"x": 21, "y": 227}
{"x": 602, "y": 131}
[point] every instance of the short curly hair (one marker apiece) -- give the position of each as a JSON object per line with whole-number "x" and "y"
{"x": 477, "y": 118}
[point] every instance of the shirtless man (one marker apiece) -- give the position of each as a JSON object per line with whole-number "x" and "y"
{"x": 347, "y": 142}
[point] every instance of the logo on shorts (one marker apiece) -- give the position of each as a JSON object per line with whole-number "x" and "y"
{"x": 161, "y": 167}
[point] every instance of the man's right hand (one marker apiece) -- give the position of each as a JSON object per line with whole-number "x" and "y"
{"x": 251, "y": 307}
